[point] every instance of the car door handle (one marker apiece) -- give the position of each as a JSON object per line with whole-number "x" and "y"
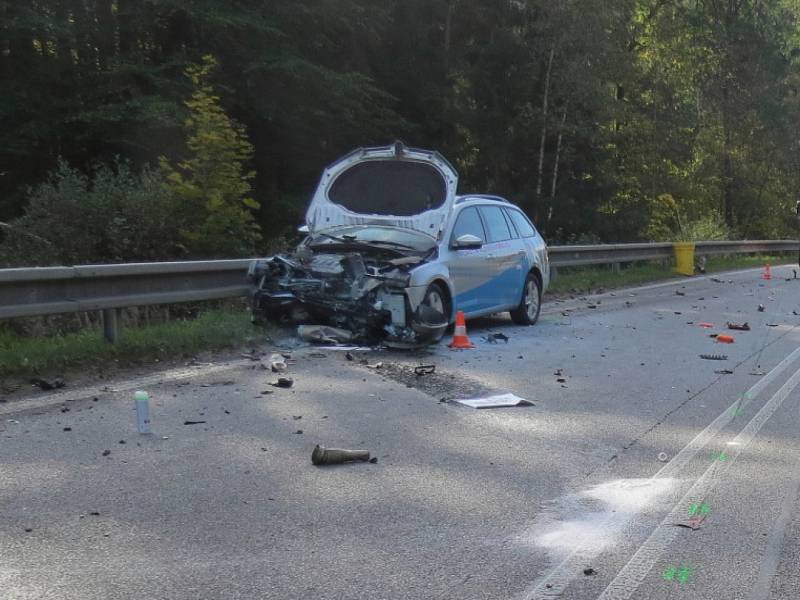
{"x": 489, "y": 257}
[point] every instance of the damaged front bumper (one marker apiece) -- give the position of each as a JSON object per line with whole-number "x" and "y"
{"x": 369, "y": 298}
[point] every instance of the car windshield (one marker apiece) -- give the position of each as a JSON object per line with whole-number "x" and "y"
{"x": 390, "y": 236}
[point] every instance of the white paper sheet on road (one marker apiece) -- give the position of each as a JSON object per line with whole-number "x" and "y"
{"x": 498, "y": 401}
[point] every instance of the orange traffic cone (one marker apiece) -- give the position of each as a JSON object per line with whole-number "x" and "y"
{"x": 460, "y": 339}
{"x": 767, "y": 272}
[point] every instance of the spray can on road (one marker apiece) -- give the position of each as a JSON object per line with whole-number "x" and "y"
{"x": 142, "y": 400}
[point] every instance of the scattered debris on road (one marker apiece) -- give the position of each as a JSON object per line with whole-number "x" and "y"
{"x": 324, "y": 334}
{"x": 194, "y": 422}
{"x": 679, "y": 293}
{"x": 106, "y": 452}
{"x": 283, "y": 382}
{"x": 724, "y": 372}
{"x": 336, "y": 456}
{"x": 498, "y": 401}
{"x": 761, "y": 308}
{"x": 714, "y": 356}
{"x": 706, "y": 325}
{"x": 48, "y": 384}
{"x": 349, "y": 356}
{"x": 421, "y": 370}
{"x": 589, "y": 571}
{"x": 277, "y": 363}
{"x": 662, "y": 457}
{"x": 725, "y": 339}
{"x": 772, "y": 324}
{"x": 493, "y": 338}
{"x": 739, "y": 326}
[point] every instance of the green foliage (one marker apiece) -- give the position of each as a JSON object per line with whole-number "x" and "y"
{"x": 690, "y": 98}
{"x": 24, "y": 355}
{"x": 212, "y": 183}
{"x": 114, "y": 215}
{"x": 669, "y": 223}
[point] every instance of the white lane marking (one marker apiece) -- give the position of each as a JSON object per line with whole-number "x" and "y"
{"x": 638, "y": 567}
{"x": 772, "y": 554}
{"x": 119, "y": 386}
{"x": 559, "y": 578}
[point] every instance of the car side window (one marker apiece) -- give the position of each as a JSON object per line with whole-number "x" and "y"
{"x": 521, "y": 223}
{"x": 468, "y": 222}
{"x": 496, "y": 225}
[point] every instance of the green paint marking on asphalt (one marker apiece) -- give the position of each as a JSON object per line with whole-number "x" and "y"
{"x": 722, "y": 457}
{"x": 736, "y": 412}
{"x": 699, "y": 509}
{"x": 680, "y": 574}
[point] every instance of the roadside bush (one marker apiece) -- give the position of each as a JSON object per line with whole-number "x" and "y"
{"x": 669, "y": 222}
{"x": 112, "y": 215}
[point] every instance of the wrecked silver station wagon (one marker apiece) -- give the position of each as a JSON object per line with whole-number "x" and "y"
{"x": 392, "y": 252}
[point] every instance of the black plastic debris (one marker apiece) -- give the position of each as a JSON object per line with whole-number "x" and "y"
{"x": 349, "y": 356}
{"x": 106, "y": 452}
{"x": 772, "y": 324}
{"x": 714, "y": 356}
{"x": 679, "y": 293}
{"x": 493, "y": 338}
{"x": 589, "y": 571}
{"x": 761, "y": 308}
{"x": 48, "y": 384}
{"x": 67, "y": 428}
{"x": 724, "y": 372}
{"x": 739, "y": 326}
{"x": 194, "y": 422}
{"x": 421, "y": 370}
{"x": 373, "y": 460}
{"x": 284, "y": 382}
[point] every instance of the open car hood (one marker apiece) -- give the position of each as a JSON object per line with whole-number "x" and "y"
{"x": 391, "y": 185}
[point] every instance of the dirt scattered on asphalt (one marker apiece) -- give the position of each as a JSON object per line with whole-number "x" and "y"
{"x": 439, "y": 384}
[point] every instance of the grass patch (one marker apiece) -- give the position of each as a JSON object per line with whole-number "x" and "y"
{"x": 586, "y": 279}
{"x": 211, "y": 330}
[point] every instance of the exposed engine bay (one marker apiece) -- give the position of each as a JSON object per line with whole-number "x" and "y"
{"x": 358, "y": 287}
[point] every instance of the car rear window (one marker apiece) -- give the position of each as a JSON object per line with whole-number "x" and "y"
{"x": 389, "y": 187}
{"x": 496, "y": 226}
{"x": 468, "y": 222}
{"x": 521, "y": 222}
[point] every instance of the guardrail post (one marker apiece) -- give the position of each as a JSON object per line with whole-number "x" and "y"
{"x": 110, "y": 327}
{"x": 553, "y": 273}
{"x": 616, "y": 267}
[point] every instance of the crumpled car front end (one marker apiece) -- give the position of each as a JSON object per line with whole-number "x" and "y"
{"x": 375, "y": 216}
{"x": 363, "y": 293}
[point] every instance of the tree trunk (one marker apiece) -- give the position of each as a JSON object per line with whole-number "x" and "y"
{"x": 544, "y": 122}
{"x": 558, "y": 153}
{"x": 448, "y": 28}
{"x": 554, "y": 183}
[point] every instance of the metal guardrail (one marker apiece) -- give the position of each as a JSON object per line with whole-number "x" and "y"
{"x": 39, "y": 291}
{"x": 606, "y": 254}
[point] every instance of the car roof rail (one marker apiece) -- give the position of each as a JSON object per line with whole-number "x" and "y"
{"x": 466, "y": 197}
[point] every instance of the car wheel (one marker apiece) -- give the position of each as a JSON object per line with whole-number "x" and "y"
{"x": 527, "y": 313}
{"x": 436, "y": 298}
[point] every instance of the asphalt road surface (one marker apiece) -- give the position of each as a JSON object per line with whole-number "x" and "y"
{"x": 641, "y": 471}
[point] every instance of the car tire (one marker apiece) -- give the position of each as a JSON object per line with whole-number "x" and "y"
{"x": 436, "y": 298}
{"x": 530, "y": 304}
